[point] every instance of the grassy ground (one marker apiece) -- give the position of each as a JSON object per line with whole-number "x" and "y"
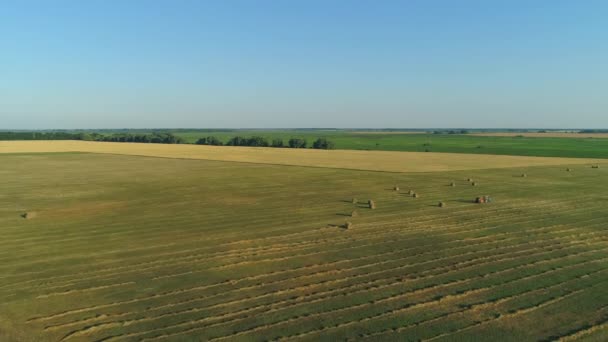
{"x": 126, "y": 248}
{"x": 505, "y": 145}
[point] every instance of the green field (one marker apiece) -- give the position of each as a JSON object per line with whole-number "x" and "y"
{"x": 456, "y": 143}
{"x": 125, "y": 248}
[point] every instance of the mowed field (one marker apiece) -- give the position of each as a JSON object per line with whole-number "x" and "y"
{"x": 133, "y": 248}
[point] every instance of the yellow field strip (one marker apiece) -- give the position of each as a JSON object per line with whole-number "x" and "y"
{"x": 343, "y": 159}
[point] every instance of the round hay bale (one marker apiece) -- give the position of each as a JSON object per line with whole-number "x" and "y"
{"x": 372, "y": 204}
{"x": 29, "y": 215}
{"x": 523, "y": 175}
{"x": 355, "y": 201}
{"x": 469, "y": 179}
{"x": 347, "y": 225}
{"x": 354, "y": 213}
{"x": 474, "y": 184}
{"x": 568, "y": 169}
{"x": 411, "y": 192}
{"x": 441, "y": 204}
{"x": 453, "y": 184}
{"x": 396, "y": 188}
{"x": 415, "y": 195}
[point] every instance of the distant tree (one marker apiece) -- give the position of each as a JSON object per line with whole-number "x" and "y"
{"x": 237, "y": 141}
{"x": 323, "y": 144}
{"x": 277, "y": 143}
{"x": 297, "y": 143}
{"x": 209, "y": 141}
{"x": 257, "y": 142}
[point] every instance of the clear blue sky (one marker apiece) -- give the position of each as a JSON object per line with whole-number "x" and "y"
{"x": 308, "y": 63}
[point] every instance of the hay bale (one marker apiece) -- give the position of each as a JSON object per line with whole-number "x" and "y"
{"x": 568, "y": 169}
{"x": 354, "y": 213}
{"x": 411, "y": 192}
{"x": 347, "y": 225}
{"x": 453, "y": 184}
{"x": 415, "y": 195}
{"x": 28, "y": 215}
{"x": 372, "y": 204}
{"x": 441, "y": 204}
{"x": 474, "y": 184}
{"x": 355, "y": 201}
{"x": 523, "y": 175}
{"x": 469, "y": 179}
{"x": 396, "y": 188}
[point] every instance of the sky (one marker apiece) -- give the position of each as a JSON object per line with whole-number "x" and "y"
{"x": 303, "y": 63}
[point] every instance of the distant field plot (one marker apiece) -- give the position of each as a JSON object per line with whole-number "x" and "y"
{"x": 546, "y": 135}
{"x": 359, "y": 160}
{"x": 571, "y": 145}
{"x": 100, "y": 247}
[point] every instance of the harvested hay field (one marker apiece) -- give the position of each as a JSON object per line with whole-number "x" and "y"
{"x": 127, "y": 248}
{"x": 342, "y": 159}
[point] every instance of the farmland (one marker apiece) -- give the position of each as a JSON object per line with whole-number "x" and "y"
{"x": 551, "y": 144}
{"x": 361, "y": 160}
{"x": 573, "y": 145}
{"x": 124, "y": 247}
{"x": 546, "y": 135}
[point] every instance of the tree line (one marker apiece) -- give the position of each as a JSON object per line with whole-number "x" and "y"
{"x": 168, "y": 138}
{"x": 451, "y": 131}
{"x": 257, "y": 141}
{"x": 41, "y": 136}
{"x": 152, "y": 138}
{"x": 155, "y": 138}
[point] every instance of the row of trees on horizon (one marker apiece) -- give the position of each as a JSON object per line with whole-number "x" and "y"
{"x": 168, "y": 138}
{"x": 257, "y": 141}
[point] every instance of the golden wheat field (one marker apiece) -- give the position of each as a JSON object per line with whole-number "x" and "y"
{"x": 123, "y": 246}
{"x": 342, "y": 159}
